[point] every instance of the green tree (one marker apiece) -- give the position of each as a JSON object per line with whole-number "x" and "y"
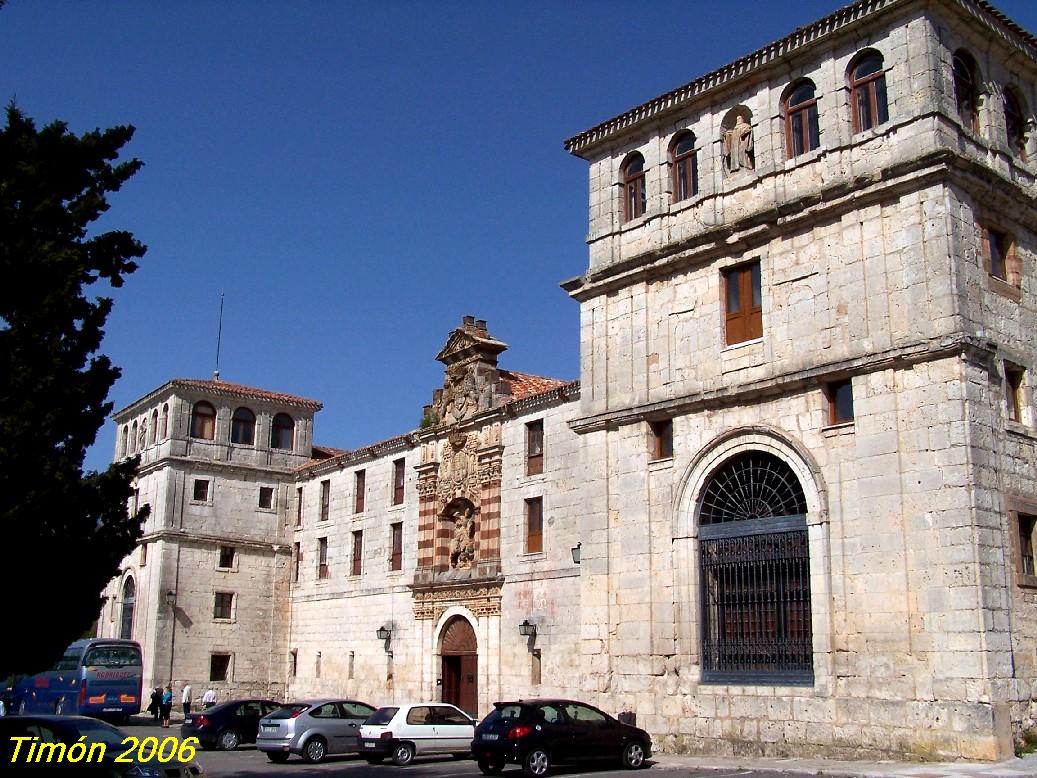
{"x": 64, "y": 532}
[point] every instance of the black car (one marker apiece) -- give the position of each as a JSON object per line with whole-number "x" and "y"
{"x": 64, "y": 731}
{"x": 227, "y": 725}
{"x": 540, "y": 733}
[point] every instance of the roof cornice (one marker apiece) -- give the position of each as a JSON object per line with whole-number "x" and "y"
{"x": 799, "y": 39}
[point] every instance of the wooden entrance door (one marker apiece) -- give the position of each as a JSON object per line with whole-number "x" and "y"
{"x": 459, "y": 650}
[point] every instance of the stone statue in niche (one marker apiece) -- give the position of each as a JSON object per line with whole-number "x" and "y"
{"x": 738, "y": 146}
{"x": 142, "y": 436}
{"x": 462, "y": 546}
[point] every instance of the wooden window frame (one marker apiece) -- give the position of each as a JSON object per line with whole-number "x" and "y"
{"x": 325, "y": 499}
{"x": 811, "y": 121}
{"x": 203, "y": 423}
{"x": 279, "y": 429}
{"x": 223, "y": 602}
{"x": 396, "y": 546}
{"x": 203, "y": 484}
{"x": 635, "y": 195}
{"x": 1015, "y": 387}
{"x": 1012, "y": 276}
{"x": 661, "y": 439}
{"x": 399, "y": 480}
{"x": 359, "y": 490}
{"x": 832, "y": 396}
{"x": 686, "y": 162}
{"x": 322, "y": 559}
{"x": 243, "y": 428}
{"x": 746, "y": 323}
{"x": 1022, "y": 516}
{"x": 535, "y": 447}
{"x": 868, "y": 85}
{"x": 356, "y": 567}
{"x": 534, "y": 507}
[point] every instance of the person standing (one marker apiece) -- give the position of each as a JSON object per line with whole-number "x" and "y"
{"x": 156, "y": 703}
{"x": 185, "y": 698}
{"x": 209, "y": 698}
{"x": 166, "y": 705}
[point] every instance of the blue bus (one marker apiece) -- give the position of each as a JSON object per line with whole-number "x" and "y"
{"x": 97, "y": 677}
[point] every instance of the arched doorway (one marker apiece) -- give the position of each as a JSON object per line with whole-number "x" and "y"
{"x": 460, "y": 657}
{"x": 129, "y": 596}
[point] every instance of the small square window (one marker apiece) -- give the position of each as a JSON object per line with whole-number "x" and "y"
{"x": 219, "y": 667}
{"x": 662, "y": 438}
{"x": 840, "y": 401}
{"x": 266, "y": 497}
{"x": 999, "y": 254}
{"x": 1014, "y": 382}
{"x": 223, "y": 606}
{"x": 201, "y": 490}
{"x": 226, "y": 557}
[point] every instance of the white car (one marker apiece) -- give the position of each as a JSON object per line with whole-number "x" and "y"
{"x": 421, "y": 729}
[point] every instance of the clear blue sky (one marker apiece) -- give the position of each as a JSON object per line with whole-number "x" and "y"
{"x": 357, "y": 176}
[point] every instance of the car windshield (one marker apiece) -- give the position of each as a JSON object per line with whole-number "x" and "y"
{"x": 381, "y": 716}
{"x": 287, "y": 712}
{"x": 112, "y": 656}
{"x": 98, "y": 732}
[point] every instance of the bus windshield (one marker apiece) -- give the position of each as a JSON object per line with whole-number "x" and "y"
{"x": 112, "y": 656}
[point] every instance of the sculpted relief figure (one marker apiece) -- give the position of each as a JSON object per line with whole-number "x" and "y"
{"x": 462, "y": 546}
{"x": 738, "y": 146}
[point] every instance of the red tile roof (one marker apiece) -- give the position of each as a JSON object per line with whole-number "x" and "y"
{"x": 321, "y": 453}
{"x": 226, "y": 389}
{"x": 525, "y": 385}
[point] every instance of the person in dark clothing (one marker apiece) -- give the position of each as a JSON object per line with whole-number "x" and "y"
{"x": 156, "y": 701}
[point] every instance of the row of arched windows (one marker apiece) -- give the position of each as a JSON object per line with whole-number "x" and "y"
{"x": 968, "y": 93}
{"x": 242, "y": 426}
{"x": 137, "y": 435}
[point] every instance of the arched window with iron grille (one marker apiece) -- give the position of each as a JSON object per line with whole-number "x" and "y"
{"x": 755, "y": 574}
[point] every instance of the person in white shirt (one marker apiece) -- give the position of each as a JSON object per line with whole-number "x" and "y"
{"x": 209, "y": 698}
{"x": 186, "y": 699}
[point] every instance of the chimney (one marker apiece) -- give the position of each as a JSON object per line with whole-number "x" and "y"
{"x": 480, "y": 326}
{"x": 468, "y": 322}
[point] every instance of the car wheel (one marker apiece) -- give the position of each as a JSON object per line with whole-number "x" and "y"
{"x": 403, "y": 754}
{"x": 315, "y": 750}
{"x": 633, "y": 755}
{"x": 277, "y": 757}
{"x": 59, "y": 707}
{"x": 486, "y": 767}
{"x": 228, "y": 740}
{"x": 537, "y": 763}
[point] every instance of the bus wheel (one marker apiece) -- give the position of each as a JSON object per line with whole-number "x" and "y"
{"x": 59, "y": 707}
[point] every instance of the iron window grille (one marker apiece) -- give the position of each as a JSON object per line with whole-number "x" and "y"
{"x": 755, "y": 574}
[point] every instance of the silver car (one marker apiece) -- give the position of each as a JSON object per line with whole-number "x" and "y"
{"x": 313, "y": 729}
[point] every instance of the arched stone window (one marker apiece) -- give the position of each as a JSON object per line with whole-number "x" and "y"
{"x": 755, "y": 573}
{"x": 243, "y": 427}
{"x": 165, "y": 421}
{"x": 125, "y": 440}
{"x": 966, "y": 89}
{"x": 129, "y": 597}
{"x": 802, "y": 133}
{"x": 1015, "y": 123}
{"x": 635, "y": 197}
{"x": 203, "y": 421}
{"x": 282, "y": 433}
{"x": 153, "y": 431}
{"x": 133, "y": 438}
{"x": 684, "y": 165}
{"x": 868, "y": 91}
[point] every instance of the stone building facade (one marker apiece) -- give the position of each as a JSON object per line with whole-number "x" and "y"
{"x": 790, "y": 506}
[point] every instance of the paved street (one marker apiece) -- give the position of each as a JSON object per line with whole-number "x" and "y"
{"x": 247, "y": 761}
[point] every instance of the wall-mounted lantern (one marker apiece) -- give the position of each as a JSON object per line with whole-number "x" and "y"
{"x": 526, "y": 629}
{"x": 576, "y": 552}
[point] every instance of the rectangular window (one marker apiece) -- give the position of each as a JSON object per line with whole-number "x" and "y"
{"x": 359, "y": 490}
{"x": 743, "y": 303}
{"x": 201, "y": 490}
{"x": 396, "y": 555}
{"x": 223, "y": 606}
{"x": 397, "y": 482}
{"x": 535, "y": 447}
{"x": 219, "y": 667}
{"x": 534, "y": 525}
{"x": 266, "y": 497}
{"x": 322, "y": 558}
{"x": 999, "y": 254}
{"x": 298, "y": 507}
{"x": 840, "y": 401}
{"x": 1014, "y": 392}
{"x": 662, "y": 438}
{"x": 358, "y": 552}
{"x": 296, "y": 559}
{"x": 293, "y": 662}
{"x": 226, "y": 557}
{"x": 143, "y": 554}
{"x": 325, "y": 500}
{"x": 1027, "y": 563}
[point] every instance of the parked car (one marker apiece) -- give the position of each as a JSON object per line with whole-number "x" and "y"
{"x": 229, "y": 724}
{"x": 421, "y": 729}
{"x": 68, "y": 730}
{"x": 538, "y": 734}
{"x": 313, "y": 729}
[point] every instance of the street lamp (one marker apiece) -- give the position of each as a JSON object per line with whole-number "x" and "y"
{"x": 526, "y": 629}
{"x": 384, "y": 632}
{"x": 576, "y": 552}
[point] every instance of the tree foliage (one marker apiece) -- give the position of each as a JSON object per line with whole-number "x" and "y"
{"x": 65, "y": 532}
